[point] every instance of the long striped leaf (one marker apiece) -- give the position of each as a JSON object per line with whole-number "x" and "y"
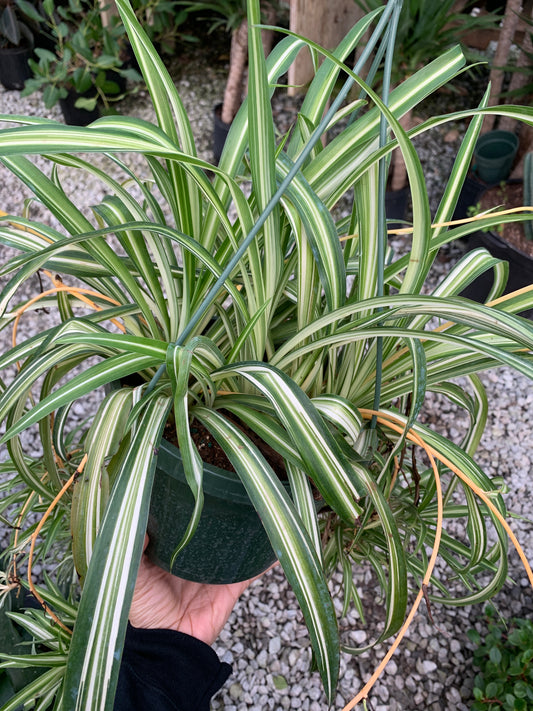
{"x": 179, "y": 363}
{"x": 476, "y": 405}
{"x": 278, "y": 62}
{"x": 289, "y": 539}
{"x": 115, "y": 213}
{"x": 461, "y": 459}
{"x": 98, "y": 375}
{"x": 305, "y": 502}
{"x": 460, "y": 169}
{"x": 34, "y": 690}
{"x": 171, "y": 116}
{"x": 396, "y": 588}
{"x": 95, "y": 650}
{"x": 21, "y": 386}
{"x": 22, "y": 661}
{"x": 333, "y": 171}
{"x": 35, "y": 261}
{"x": 91, "y": 492}
{"x": 455, "y": 309}
{"x": 262, "y": 153}
{"x": 333, "y": 474}
{"x": 118, "y": 342}
{"x": 468, "y": 268}
{"x": 342, "y": 413}
{"x": 322, "y": 235}
{"x": 259, "y": 415}
{"x": 323, "y": 83}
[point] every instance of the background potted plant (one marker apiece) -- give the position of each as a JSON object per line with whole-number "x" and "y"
{"x": 425, "y": 31}
{"x": 165, "y": 22}
{"x": 512, "y": 243}
{"x": 16, "y": 46}
{"x": 232, "y": 14}
{"x": 252, "y": 319}
{"x": 87, "y": 66}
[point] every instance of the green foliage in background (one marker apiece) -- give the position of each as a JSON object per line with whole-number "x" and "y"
{"x": 504, "y": 657}
{"x": 426, "y": 29}
{"x": 85, "y": 56}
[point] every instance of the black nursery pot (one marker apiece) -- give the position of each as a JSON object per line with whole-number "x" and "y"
{"x": 520, "y": 268}
{"x": 467, "y": 197}
{"x": 230, "y": 543}
{"x": 14, "y": 67}
{"x": 220, "y": 132}
{"x": 75, "y": 116}
{"x": 396, "y": 207}
{"x": 520, "y": 263}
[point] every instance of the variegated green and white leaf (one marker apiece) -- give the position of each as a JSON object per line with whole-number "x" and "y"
{"x": 289, "y": 539}
{"x": 113, "y": 368}
{"x": 95, "y": 650}
{"x": 91, "y": 492}
{"x": 179, "y": 361}
{"x": 334, "y": 476}
{"x": 341, "y": 412}
{"x": 48, "y": 680}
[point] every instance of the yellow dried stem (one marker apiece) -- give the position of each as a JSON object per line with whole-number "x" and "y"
{"x": 34, "y": 536}
{"x": 18, "y": 524}
{"x": 395, "y": 424}
{"x": 416, "y": 439}
{"x": 466, "y": 220}
{"x": 394, "y": 475}
{"x": 451, "y": 223}
{"x": 78, "y": 292}
{"x": 14, "y": 223}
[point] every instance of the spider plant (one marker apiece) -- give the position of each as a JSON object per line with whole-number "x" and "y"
{"x": 292, "y": 317}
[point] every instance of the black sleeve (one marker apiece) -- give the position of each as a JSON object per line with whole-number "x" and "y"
{"x": 168, "y": 671}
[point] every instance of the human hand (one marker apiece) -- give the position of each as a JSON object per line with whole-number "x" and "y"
{"x": 164, "y": 601}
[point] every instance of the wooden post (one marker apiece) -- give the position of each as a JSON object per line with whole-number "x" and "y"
{"x": 505, "y": 40}
{"x": 520, "y": 78}
{"x": 323, "y": 21}
{"x": 108, "y": 11}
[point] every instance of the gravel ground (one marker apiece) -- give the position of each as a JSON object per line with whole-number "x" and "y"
{"x": 265, "y": 639}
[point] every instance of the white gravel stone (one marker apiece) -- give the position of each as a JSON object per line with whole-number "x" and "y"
{"x": 391, "y": 668}
{"x": 235, "y": 691}
{"x": 274, "y": 645}
{"x": 359, "y": 636}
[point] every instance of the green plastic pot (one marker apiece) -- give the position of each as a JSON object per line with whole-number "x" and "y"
{"x": 494, "y": 155}
{"x": 230, "y": 543}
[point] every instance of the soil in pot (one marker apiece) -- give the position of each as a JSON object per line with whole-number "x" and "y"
{"x": 212, "y": 453}
{"x": 509, "y": 195}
